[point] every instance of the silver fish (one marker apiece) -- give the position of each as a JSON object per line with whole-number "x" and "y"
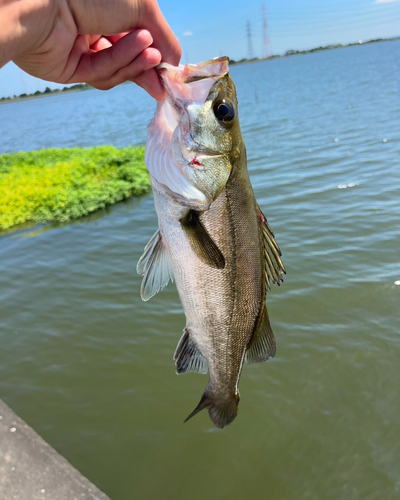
{"x": 213, "y": 239}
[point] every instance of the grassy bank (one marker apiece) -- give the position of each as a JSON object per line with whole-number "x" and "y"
{"x": 64, "y": 184}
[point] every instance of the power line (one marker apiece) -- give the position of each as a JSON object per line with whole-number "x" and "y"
{"x": 249, "y": 42}
{"x": 266, "y": 45}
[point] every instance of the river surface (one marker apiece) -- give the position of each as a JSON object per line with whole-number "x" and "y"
{"x": 89, "y": 365}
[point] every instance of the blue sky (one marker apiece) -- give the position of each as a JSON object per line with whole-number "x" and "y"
{"x": 212, "y": 28}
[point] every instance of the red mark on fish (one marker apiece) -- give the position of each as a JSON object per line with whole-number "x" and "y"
{"x": 195, "y": 161}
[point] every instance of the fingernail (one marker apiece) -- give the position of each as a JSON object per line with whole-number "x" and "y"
{"x": 149, "y": 34}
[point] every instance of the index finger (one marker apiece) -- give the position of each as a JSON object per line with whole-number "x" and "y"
{"x": 163, "y": 37}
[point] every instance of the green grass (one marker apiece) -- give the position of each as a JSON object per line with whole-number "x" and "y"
{"x": 64, "y": 184}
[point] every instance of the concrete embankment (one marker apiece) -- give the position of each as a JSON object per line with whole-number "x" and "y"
{"x": 30, "y": 469}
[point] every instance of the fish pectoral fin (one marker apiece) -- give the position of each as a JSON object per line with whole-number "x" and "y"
{"x": 155, "y": 266}
{"x": 187, "y": 356}
{"x": 262, "y": 345}
{"x": 200, "y": 241}
{"x": 272, "y": 255}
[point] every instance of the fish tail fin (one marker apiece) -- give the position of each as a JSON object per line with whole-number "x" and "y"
{"x": 222, "y": 412}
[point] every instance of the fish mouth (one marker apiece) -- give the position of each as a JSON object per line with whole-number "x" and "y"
{"x": 192, "y": 72}
{"x": 191, "y": 82}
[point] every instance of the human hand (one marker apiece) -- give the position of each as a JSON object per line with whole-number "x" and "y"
{"x": 99, "y": 42}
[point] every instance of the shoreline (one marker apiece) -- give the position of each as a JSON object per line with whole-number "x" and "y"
{"x": 293, "y": 52}
{"x": 79, "y": 87}
{"x": 290, "y": 53}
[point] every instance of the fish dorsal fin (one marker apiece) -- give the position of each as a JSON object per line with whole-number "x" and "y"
{"x": 262, "y": 345}
{"x": 155, "y": 266}
{"x": 187, "y": 356}
{"x": 200, "y": 241}
{"x": 272, "y": 255}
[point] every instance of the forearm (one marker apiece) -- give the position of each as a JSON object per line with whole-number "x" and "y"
{"x": 24, "y": 24}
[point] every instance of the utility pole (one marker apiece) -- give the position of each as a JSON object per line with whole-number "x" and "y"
{"x": 249, "y": 42}
{"x": 266, "y": 44}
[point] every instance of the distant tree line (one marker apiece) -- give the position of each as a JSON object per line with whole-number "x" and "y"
{"x": 48, "y": 91}
{"x": 316, "y": 49}
{"x": 337, "y": 46}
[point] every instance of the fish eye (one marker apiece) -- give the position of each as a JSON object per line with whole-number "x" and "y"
{"x": 224, "y": 111}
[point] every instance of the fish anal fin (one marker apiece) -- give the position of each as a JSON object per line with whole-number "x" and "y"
{"x": 262, "y": 345}
{"x": 272, "y": 254}
{"x": 187, "y": 356}
{"x": 155, "y": 266}
{"x": 200, "y": 241}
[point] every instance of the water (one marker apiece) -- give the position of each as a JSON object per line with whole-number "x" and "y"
{"x": 89, "y": 365}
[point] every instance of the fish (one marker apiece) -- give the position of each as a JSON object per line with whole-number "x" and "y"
{"x": 213, "y": 239}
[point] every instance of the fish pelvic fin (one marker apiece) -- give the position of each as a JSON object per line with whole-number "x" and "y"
{"x": 200, "y": 241}
{"x": 222, "y": 411}
{"x": 262, "y": 345}
{"x": 188, "y": 357}
{"x": 272, "y": 254}
{"x": 155, "y": 266}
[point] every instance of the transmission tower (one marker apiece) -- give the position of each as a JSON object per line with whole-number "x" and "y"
{"x": 266, "y": 44}
{"x": 249, "y": 42}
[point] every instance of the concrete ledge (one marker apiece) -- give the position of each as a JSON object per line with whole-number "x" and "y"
{"x": 30, "y": 469}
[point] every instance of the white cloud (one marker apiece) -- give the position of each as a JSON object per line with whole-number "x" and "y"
{"x": 189, "y": 33}
{"x": 385, "y": 1}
